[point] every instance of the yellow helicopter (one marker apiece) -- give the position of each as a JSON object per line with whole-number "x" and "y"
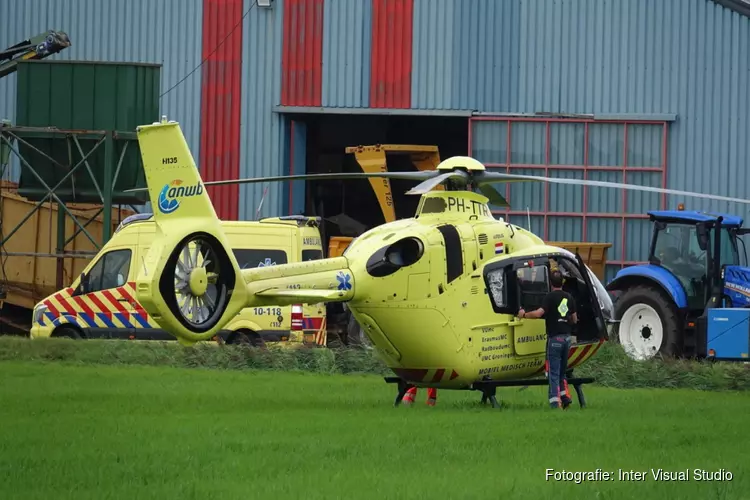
{"x": 437, "y": 294}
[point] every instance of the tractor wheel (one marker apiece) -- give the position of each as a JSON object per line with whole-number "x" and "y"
{"x": 648, "y": 324}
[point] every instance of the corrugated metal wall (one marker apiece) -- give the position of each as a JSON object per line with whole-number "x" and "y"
{"x": 221, "y": 102}
{"x": 264, "y": 135}
{"x": 347, "y": 36}
{"x": 687, "y": 57}
{"x": 391, "y": 61}
{"x": 302, "y": 59}
{"x": 166, "y": 32}
{"x": 690, "y": 58}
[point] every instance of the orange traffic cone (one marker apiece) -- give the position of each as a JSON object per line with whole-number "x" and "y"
{"x": 431, "y": 396}
{"x": 409, "y": 397}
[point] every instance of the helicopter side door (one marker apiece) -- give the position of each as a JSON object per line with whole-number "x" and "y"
{"x": 513, "y": 283}
{"x": 594, "y": 305}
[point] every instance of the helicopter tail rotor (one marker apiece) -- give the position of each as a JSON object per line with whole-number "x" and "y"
{"x": 189, "y": 281}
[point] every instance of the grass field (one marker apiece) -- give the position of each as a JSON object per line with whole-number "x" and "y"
{"x": 100, "y": 432}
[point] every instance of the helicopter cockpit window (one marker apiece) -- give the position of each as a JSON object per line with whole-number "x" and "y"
{"x": 533, "y": 285}
{"x": 390, "y": 258}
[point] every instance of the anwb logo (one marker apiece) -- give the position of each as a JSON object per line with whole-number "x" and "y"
{"x": 169, "y": 197}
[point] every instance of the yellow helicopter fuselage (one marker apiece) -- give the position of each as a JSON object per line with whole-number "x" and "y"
{"x": 433, "y": 321}
{"x": 437, "y": 294}
{"x": 419, "y": 290}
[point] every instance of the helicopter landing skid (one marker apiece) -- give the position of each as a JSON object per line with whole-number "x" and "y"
{"x": 403, "y": 386}
{"x": 488, "y": 388}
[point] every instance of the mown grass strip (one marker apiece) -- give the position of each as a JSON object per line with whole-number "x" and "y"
{"x": 611, "y": 367}
{"x": 111, "y": 432}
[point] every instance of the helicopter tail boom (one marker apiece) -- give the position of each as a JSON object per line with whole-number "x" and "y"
{"x": 311, "y": 282}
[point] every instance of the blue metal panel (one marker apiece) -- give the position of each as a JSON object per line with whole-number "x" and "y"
{"x": 168, "y": 32}
{"x": 728, "y": 333}
{"x": 347, "y": 35}
{"x": 265, "y": 148}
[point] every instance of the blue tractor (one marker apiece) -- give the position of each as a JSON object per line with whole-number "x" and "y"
{"x": 693, "y": 297}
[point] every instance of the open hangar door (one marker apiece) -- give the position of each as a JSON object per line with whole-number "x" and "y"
{"x": 318, "y": 143}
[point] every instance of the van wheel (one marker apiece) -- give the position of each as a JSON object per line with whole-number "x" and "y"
{"x": 246, "y": 338}
{"x": 67, "y": 332}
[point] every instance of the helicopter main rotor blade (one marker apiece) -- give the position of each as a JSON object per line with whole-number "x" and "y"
{"x": 426, "y": 186}
{"x": 493, "y": 177}
{"x": 409, "y": 176}
{"x": 493, "y": 195}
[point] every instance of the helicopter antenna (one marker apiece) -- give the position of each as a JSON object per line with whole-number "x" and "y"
{"x": 262, "y": 199}
{"x": 528, "y": 217}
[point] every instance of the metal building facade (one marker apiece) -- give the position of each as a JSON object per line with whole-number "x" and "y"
{"x": 666, "y": 82}
{"x": 663, "y": 80}
{"x": 681, "y": 64}
{"x": 167, "y": 32}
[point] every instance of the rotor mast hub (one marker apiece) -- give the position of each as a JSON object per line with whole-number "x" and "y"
{"x": 198, "y": 281}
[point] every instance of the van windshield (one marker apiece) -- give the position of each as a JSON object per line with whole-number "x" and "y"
{"x": 249, "y": 258}
{"x": 311, "y": 255}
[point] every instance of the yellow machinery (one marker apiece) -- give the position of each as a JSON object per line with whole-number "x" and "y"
{"x": 373, "y": 159}
{"x": 33, "y": 267}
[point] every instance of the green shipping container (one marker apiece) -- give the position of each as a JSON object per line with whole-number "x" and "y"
{"x": 90, "y": 96}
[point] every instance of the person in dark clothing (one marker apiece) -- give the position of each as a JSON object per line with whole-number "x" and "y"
{"x": 559, "y": 313}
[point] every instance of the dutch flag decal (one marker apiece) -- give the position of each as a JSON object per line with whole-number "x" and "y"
{"x": 499, "y": 247}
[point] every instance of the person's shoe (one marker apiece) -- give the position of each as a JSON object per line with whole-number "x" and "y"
{"x": 554, "y": 406}
{"x": 566, "y": 402}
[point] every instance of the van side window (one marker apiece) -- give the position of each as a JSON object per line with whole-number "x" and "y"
{"x": 311, "y": 255}
{"x": 250, "y": 258}
{"x": 110, "y": 271}
{"x": 533, "y": 285}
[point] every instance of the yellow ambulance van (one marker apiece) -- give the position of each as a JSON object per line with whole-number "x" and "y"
{"x": 108, "y": 308}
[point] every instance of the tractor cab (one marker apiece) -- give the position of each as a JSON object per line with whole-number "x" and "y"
{"x": 697, "y": 264}
{"x": 694, "y": 247}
